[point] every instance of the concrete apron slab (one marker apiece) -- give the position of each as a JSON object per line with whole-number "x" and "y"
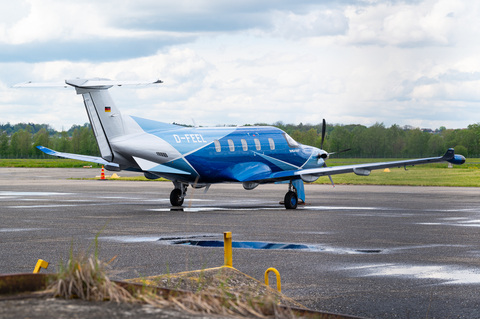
{"x": 21, "y": 295}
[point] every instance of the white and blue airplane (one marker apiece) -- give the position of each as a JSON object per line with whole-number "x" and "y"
{"x": 201, "y": 156}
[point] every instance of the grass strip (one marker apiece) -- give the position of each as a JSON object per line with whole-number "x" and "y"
{"x": 46, "y": 163}
{"x": 414, "y": 176}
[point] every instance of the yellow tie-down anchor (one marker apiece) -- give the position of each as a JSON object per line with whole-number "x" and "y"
{"x": 227, "y": 248}
{"x": 279, "y": 282}
{"x": 40, "y": 264}
{"x": 228, "y": 262}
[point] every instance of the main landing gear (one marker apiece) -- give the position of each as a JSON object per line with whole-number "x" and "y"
{"x": 177, "y": 195}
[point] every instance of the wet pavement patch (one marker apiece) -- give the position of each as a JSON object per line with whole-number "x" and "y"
{"x": 444, "y": 274}
{"x": 245, "y": 244}
{"x": 164, "y": 239}
{"x": 19, "y": 229}
{"x": 369, "y": 251}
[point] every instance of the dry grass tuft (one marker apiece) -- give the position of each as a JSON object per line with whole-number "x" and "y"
{"x": 87, "y": 279}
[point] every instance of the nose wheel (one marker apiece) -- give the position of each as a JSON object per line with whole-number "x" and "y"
{"x": 176, "y": 198}
{"x": 177, "y": 195}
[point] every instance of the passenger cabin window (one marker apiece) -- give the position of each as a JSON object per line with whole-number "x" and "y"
{"x": 218, "y": 148}
{"x": 290, "y": 141}
{"x": 231, "y": 146}
{"x": 258, "y": 146}
{"x": 244, "y": 144}
{"x": 272, "y": 143}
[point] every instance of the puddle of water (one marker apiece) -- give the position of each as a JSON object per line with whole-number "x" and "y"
{"x": 243, "y": 244}
{"x": 31, "y": 194}
{"x": 40, "y": 206}
{"x": 136, "y": 239}
{"x": 206, "y": 209}
{"x": 341, "y": 208}
{"x": 443, "y": 273}
{"x": 456, "y": 222}
{"x": 369, "y": 251}
{"x": 131, "y": 239}
{"x": 468, "y": 225}
{"x": 116, "y": 197}
{"x": 195, "y": 240}
{"x": 3, "y": 230}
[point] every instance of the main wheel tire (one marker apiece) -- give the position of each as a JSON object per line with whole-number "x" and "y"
{"x": 291, "y": 200}
{"x": 176, "y": 198}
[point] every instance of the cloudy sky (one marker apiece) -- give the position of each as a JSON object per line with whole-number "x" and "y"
{"x": 236, "y": 62}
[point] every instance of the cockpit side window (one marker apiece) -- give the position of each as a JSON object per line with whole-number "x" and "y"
{"x": 291, "y": 142}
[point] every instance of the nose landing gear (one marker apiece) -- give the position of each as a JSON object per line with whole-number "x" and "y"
{"x": 295, "y": 194}
{"x": 291, "y": 200}
{"x": 177, "y": 195}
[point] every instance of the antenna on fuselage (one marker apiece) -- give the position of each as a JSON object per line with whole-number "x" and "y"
{"x": 194, "y": 123}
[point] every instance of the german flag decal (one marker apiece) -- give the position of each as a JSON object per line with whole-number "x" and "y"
{"x": 108, "y": 109}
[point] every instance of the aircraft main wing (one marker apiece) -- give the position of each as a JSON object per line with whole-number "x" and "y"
{"x": 86, "y": 158}
{"x": 359, "y": 169}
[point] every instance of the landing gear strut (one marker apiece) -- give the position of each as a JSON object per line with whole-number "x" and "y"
{"x": 178, "y": 194}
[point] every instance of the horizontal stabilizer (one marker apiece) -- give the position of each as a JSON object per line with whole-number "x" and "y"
{"x": 83, "y": 83}
{"x": 31, "y": 84}
{"x": 150, "y": 166}
{"x": 85, "y": 158}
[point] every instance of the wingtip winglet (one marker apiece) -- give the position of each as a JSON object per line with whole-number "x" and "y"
{"x": 45, "y": 150}
{"x": 453, "y": 158}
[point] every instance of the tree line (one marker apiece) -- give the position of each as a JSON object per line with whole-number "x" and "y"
{"x": 379, "y": 141}
{"x": 20, "y": 140}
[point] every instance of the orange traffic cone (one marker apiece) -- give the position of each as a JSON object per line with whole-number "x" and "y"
{"x": 102, "y": 175}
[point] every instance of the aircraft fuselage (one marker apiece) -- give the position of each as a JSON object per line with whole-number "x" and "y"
{"x": 213, "y": 155}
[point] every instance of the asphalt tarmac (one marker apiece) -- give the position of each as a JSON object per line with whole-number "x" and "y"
{"x": 372, "y": 251}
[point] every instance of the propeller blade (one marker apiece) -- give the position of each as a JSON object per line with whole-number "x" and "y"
{"x": 324, "y": 128}
{"x": 348, "y": 149}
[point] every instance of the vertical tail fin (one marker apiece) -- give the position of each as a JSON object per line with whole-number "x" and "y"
{"x": 104, "y": 116}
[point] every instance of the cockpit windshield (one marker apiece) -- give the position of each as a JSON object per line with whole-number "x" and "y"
{"x": 291, "y": 142}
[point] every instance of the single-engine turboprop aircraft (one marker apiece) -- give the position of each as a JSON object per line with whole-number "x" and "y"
{"x": 201, "y": 156}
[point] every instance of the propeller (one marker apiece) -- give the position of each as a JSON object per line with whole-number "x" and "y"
{"x": 324, "y": 130}
{"x": 348, "y": 149}
{"x": 325, "y": 155}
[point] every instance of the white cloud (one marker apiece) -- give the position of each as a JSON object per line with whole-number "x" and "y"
{"x": 430, "y": 23}
{"x": 247, "y": 62}
{"x": 313, "y": 24}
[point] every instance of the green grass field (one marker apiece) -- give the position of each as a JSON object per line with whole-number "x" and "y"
{"x": 45, "y": 163}
{"x": 466, "y": 175}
